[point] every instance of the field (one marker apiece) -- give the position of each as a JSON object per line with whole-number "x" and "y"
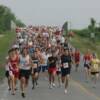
{"x": 6, "y": 41}
{"x": 86, "y": 43}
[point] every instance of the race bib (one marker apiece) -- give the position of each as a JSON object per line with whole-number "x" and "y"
{"x": 65, "y": 65}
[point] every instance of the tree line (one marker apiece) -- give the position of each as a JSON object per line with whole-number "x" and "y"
{"x": 93, "y": 27}
{"x": 6, "y": 16}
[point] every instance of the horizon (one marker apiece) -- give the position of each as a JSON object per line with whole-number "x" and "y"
{"x": 54, "y": 12}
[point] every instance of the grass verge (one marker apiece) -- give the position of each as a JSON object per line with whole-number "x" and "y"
{"x": 5, "y": 43}
{"x": 83, "y": 44}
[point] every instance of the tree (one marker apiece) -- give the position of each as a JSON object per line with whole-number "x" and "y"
{"x": 92, "y": 25}
{"x": 6, "y": 16}
{"x": 19, "y": 23}
{"x": 65, "y": 28}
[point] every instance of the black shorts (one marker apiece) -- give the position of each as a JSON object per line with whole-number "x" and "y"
{"x": 39, "y": 69}
{"x": 87, "y": 66}
{"x": 34, "y": 70}
{"x": 7, "y": 74}
{"x": 94, "y": 73}
{"x": 65, "y": 71}
{"x": 25, "y": 73}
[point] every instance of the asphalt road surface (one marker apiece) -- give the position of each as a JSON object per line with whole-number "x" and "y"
{"x": 78, "y": 90}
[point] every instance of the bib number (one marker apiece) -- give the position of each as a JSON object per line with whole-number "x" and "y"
{"x": 65, "y": 65}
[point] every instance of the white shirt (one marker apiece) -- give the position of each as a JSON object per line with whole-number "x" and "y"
{"x": 24, "y": 62}
{"x": 46, "y": 34}
{"x": 62, "y": 39}
{"x": 18, "y": 34}
{"x": 53, "y": 41}
{"x": 45, "y": 57}
{"x": 21, "y": 40}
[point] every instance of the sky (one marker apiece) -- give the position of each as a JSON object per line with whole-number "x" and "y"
{"x": 55, "y": 12}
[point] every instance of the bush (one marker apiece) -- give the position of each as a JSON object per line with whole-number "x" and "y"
{"x": 1, "y": 32}
{"x": 83, "y": 32}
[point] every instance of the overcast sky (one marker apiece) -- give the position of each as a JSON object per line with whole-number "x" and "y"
{"x": 55, "y": 12}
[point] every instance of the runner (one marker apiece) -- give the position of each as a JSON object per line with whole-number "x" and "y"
{"x": 95, "y": 69}
{"x": 35, "y": 71}
{"x": 52, "y": 70}
{"x": 87, "y": 59}
{"x": 66, "y": 67}
{"x": 77, "y": 59}
{"x": 13, "y": 69}
{"x": 44, "y": 65}
{"x": 25, "y": 70}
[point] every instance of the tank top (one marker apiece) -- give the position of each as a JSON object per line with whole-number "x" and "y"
{"x": 95, "y": 65}
{"x": 24, "y": 62}
{"x": 87, "y": 58}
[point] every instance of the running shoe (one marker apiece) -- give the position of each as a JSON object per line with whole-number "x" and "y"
{"x": 50, "y": 86}
{"x": 9, "y": 89}
{"x": 53, "y": 84}
{"x": 65, "y": 91}
{"x": 23, "y": 95}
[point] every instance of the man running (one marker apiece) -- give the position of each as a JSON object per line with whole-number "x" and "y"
{"x": 77, "y": 59}
{"x": 66, "y": 67}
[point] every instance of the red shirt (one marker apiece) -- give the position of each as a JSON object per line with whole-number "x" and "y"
{"x": 77, "y": 56}
{"x": 87, "y": 57}
{"x": 14, "y": 63}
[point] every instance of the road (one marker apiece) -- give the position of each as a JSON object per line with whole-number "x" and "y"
{"x": 78, "y": 90}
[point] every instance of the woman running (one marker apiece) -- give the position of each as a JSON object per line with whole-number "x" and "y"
{"x": 13, "y": 69}
{"x": 25, "y": 70}
{"x": 52, "y": 69}
{"x": 95, "y": 69}
{"x": 87, "y": 59}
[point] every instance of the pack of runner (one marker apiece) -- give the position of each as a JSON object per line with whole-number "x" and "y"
{"x": 41, "y": 50}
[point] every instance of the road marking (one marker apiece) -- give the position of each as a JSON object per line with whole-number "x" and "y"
{"x": 85, "y": 90}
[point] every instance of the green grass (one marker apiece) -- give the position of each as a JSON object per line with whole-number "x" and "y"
{"x": 83, "y": 44}
{"x": 5, "y": 43}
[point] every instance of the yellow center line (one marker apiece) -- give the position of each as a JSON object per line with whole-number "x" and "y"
{"x": 85, "y": 89}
